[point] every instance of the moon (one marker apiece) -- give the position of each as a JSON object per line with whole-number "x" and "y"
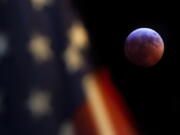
{"x": 144, "y": 47}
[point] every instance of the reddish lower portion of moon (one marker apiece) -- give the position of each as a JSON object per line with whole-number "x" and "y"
{"x": 144, "y": 47}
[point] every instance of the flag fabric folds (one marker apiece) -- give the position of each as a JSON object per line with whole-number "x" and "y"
{"x": 47, "y": 82}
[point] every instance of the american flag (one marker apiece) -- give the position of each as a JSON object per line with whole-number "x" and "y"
{"x": 48, "y": 85}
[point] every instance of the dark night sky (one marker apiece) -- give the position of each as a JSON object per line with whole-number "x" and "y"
{"x": 151, "y": 93}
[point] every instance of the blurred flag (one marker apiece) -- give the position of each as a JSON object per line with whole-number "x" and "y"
{"x": 47, "y": 82}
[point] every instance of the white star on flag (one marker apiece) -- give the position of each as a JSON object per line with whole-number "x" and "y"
{"x": 40, "y": 4}
{"x": 40, "y": 49}
{"x": 39, "y": 103}
{"x": 3, "y": 45}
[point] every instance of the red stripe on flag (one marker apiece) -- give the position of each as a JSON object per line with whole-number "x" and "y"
{"x": 118, "y": 111}
{"x": 103, "y": 98}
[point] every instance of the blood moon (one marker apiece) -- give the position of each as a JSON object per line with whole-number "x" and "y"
{"x": 144, "y": 47}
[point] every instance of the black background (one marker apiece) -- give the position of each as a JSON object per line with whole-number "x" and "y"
{"x": 151, "y": 93}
